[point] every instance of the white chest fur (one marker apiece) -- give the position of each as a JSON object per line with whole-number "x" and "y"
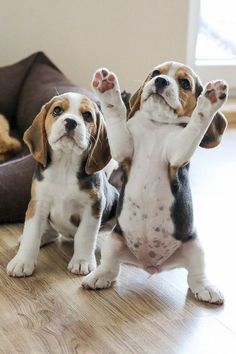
{"x": 146, "y": 218}
{"x": 60, "y": 188}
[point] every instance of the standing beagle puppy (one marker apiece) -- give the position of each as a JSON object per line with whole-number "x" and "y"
{"x": 70, "y": 192}
{"x": 170, "y": 115}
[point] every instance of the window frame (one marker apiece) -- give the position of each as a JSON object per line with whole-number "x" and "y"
{"x": 211, "y": 71}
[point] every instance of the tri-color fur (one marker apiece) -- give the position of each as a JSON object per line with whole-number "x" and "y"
{"x": 168, "y": 119}
{"x": 71, "y": 194}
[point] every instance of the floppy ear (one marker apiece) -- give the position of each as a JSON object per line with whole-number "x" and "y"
{"x": 215, "y": 131}
{"x": 35, "y": 136}
{"x": 198, "y": 88}
{"x": 99, "y": 154}
{"x": 135, "y": 100}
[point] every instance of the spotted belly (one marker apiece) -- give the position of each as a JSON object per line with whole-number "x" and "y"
{"x": 148, "y": 230}
{"x": 150, "y": 249}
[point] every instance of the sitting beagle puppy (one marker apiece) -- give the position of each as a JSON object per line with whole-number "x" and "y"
{"x": 70, "y": 192}
{"x": 170, "y": 115}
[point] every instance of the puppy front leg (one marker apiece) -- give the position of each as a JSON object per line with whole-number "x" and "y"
{"x": 181, "y": 147}
{"x": 106, "y": 87}
{"x": 23, "y": 264}
{"x": 83, "y": 260}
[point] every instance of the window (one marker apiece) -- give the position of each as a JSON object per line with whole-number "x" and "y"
{"x": 212, "y": 40}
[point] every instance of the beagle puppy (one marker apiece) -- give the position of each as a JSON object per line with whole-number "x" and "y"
{"x": 70, "y": 192}
{"x": 170, "y": 115}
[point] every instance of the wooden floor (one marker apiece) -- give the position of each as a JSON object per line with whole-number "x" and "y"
{"x": 50, "y": 313}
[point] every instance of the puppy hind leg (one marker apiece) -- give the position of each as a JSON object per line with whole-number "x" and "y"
{"x": 114, "y": 252}
{"x": 173, "y": 262}
{"x": 200, "y": 286}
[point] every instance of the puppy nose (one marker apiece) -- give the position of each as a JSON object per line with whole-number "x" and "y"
{"x": 161, "y": 82}
{"x": 70, "y": 124}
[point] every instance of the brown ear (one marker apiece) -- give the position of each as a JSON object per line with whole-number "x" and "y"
{"x": 215, "y": 131}
{"x": 135, "y": 100}
{"x": 35, "y": 136}
{"x": 99, "y": 154}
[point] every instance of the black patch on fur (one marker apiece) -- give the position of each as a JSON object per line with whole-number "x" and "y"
{"x": 198, "y": 89}
{"x": 122, "y": 193}
{"x": 126, "y": 98}
{"x": 75, "y": 220}
{"x": 183, "y": 125}
{"x": 182, "y": 208}
{"x": 208, "y": 138}
{"x": 38, "y": 173}
{"x": 106, "y": 203}
{"x": 214, "y": 131}
{"x": 112, "y": 197}
{"x": 88, "y": 181}
{"x": 124, "y": 177}
{"x": 39, "y": 169}
{"x": 118, "y": 229}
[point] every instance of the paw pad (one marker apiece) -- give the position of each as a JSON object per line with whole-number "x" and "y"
{"x": 104, "y": 80}
{"x": 216, "y": 90}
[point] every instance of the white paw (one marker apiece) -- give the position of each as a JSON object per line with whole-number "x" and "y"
{"x": 106, "y": 86}
{"x": 213, "y": 96}
{"x": 208, "y": 294}
{"x": 98, "y": 280}
{"x": 20, "y": 266}
{"x": 82, "y": 266}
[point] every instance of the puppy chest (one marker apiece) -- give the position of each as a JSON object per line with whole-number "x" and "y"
{"x": 67, "y": 210}
{"x": 145, "y": 218}
{"x": 148, "y": 198}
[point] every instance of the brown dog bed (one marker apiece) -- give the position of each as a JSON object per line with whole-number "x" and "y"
{"x": 24, "y": 88}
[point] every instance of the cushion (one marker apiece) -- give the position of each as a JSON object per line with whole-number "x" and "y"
{"x": 24, "y": 88}
{"x": 15, "y": 185}
{"x": 43, "y": 81}
{"x": 11, "y": 81}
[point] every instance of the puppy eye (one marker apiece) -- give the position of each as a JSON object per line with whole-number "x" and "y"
{"x": 57, "y": 111}
{"x": 155, "y": 73}
{"x": 185, "y": 84}
{"x": 87, "y": 116}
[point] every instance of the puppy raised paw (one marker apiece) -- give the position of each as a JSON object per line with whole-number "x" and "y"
{"x": 106, "y": 86}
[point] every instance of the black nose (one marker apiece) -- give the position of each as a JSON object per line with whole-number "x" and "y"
{"x": 70, "y": 124}
{"x": 160, "y": 82}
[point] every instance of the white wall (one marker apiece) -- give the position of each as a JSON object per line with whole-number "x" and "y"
{"x": 127, "y": 36}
